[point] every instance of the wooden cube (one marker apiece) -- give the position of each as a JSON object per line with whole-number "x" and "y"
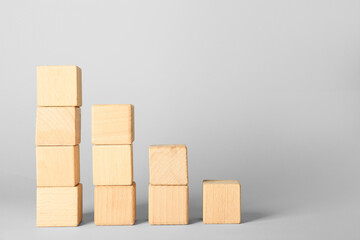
{"x": 58, "y": 126}
{"x": 59, "y": 86}
{"x": 59, "y": 206}
{"x": 221, "y": 201}
{"x": 112, "y": 165}
{"x": 168, "y": 205}
{"x": 168, "y": 165}
{"x": 112, "y": 124}
{"x": 115, "y": 205}
{"x": 57, "y": 166}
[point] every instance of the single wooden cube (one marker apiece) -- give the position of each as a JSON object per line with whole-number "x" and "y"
{"x": 59, "y": 206}
{"x": 168, "y": 205}
{"x": 112, "y": 165}
{"x": 221, "y": 201}
{"x": 59, "y": 86}
{"x": 58, "y": 126}
{"x": 57, "y": 166}
{"x": 168, "y": 165}
{"x": 115, "y": 205}
{"x": 112, "y": 124}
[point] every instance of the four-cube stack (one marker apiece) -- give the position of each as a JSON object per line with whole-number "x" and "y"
{"x": 58, "y": 130}
{"x": 168, "y": 188}
{"x": 115, "y": 190}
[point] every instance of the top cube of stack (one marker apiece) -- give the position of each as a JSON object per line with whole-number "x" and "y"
{"x": 59, "y": 86}
{"x": 168, "y": 165}
{"x": 112, "y": 124}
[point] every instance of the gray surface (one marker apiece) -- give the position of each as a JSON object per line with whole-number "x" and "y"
{"x": 266, "y": 92}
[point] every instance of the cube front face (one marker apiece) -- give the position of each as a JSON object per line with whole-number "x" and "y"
{"x": 112, "y": 165}
{"x": 59, "y": 206}
{"x": 168, "y": 165}
{"x": 115, "y": 205}
{"x": 112, "y": 124}
{"x": 168, "y": 205}
{"x": 58, "y": 126}
{"x": 221, "y": 202}
{"x": 59, "y": 86}
{"x": 57, "y": 166}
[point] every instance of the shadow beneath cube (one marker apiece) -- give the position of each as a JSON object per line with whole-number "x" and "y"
{"x": 247, "y": 217}
{"x": 87, "y": 218}
{"x": 141, "y": 213}
{"x": 195, "y": 212}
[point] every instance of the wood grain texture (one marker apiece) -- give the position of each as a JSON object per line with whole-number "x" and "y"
{"x": 112, "y": 164}
{"x": 221, "y": 201}
{"x": 58, "y": 126}
{"x": 115, "y": 205}
{"x": 57, "y": 166}
{"x": 168, "y": 165}
{"x": 59, "y": 206}
{"x": 112, "y": 124}
{"x": 168, "y": 205}
{"x": 59, "y": 86}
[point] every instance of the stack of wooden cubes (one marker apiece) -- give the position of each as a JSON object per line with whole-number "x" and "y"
{"x": 168, "y": 188}
{"x": 58, "y": 130}
{"x": 115, "y": 190}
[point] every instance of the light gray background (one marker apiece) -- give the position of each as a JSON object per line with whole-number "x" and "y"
{"x": 266, "y": 92}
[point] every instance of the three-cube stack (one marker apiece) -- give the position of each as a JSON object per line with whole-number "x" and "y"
{"x": 58, "y": 130}
{"x": 168, "y": 188}
{"x": 115, "y": 190}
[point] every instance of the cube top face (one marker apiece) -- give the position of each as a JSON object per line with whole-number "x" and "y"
{"x": 112, "y": 124}
{"x": 221, "y": 182}
{"x": 112, "y": 165}
{"x": 115, "y": 205}
{"x": 168, "y": 165}
{"x": 58, "y": 126}
{"x": 168, "y": 205}
{"x": 221, "y": 202}
{"x": 59, "y": 206}
{"x": 59, "y": 86}
{"x": 57, "y": 166}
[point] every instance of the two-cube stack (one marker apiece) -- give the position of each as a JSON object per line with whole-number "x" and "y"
{"x": 115, "y": 190}
{"x": 58, "y": 130}
{"x": 168, "y": 188}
